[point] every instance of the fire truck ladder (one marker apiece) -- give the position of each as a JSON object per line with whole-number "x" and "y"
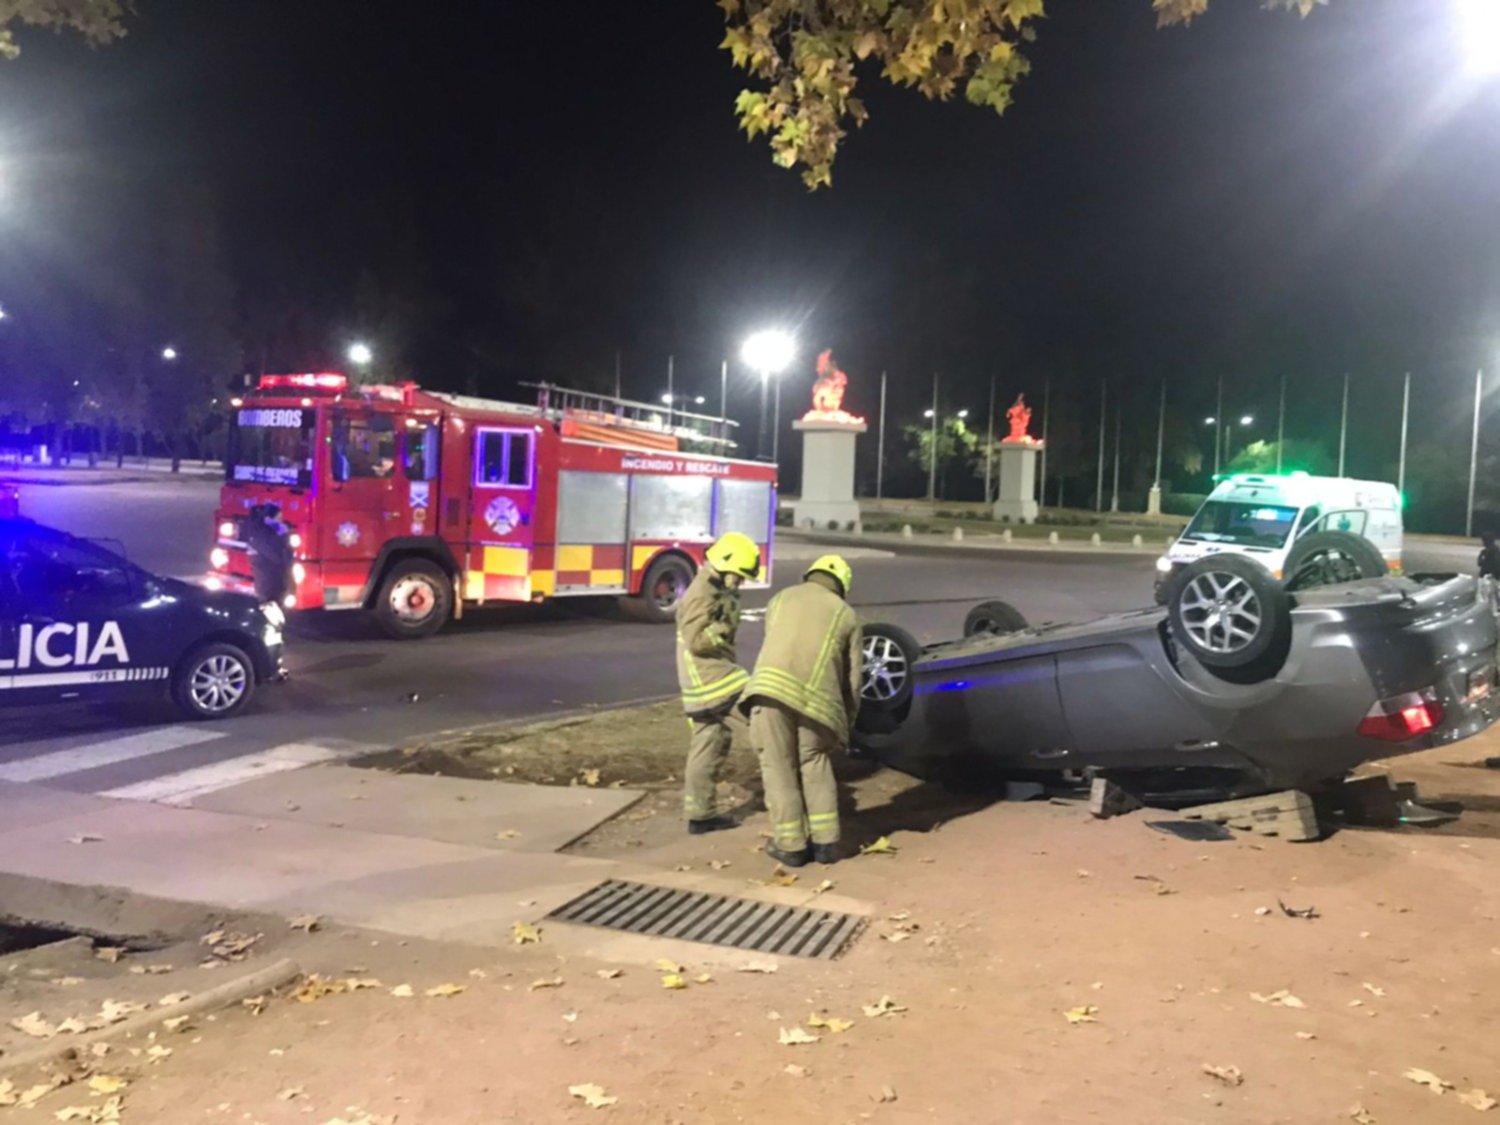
{"x": 629, "y": 415}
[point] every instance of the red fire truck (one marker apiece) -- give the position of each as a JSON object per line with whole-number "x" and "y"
{"x": 414, "y": 504}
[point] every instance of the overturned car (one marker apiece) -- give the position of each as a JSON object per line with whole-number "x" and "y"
{"x": 1238, "y": 676}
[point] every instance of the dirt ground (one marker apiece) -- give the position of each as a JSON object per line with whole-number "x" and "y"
{"x": 992, "y": 923}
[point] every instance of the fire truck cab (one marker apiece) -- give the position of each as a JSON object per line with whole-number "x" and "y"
{"x": 413, "y": 504}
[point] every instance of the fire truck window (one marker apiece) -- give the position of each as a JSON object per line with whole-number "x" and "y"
{"x": 504, "y": 458}
{"x": 419, "y": 448}
{"x": 364, "y": 448}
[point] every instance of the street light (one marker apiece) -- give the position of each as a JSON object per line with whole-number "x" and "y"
{"x": 770, "y": 353}
{"x": 1247, "y": 420}
{"x": 169, "y": 353}
{"x": 1479, "y": 30}
{"x": 360, "y": 354}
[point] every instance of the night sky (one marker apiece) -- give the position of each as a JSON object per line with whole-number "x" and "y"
{"x": 516, "y": 194}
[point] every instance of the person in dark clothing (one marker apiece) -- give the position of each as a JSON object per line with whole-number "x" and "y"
{"x": 1489, "y": 556}
{"x": 270, "y": 552}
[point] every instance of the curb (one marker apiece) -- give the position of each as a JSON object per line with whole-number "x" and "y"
{"x": 220, "y": 996}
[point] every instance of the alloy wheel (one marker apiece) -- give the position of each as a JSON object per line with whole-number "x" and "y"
{"x": 885, "y": 669}
{"x": 1220, "y": 612}
{"x": 218, "y": 684}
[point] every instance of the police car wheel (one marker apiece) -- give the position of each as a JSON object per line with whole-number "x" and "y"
{"x": 415, "y": 600}
{"x": 214, "y": 682}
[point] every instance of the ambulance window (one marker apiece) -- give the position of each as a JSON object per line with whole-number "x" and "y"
{"x": 364, "y": 448}
{"x": 504, "y": 459}
{"x": 419, "y": 450}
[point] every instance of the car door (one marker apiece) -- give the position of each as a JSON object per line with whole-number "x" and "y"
{"x": 88, "y": 625}
{"x": 365, "y": 502}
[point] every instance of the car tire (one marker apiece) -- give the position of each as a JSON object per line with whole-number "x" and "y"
{"x": 1230, "y": 615}
{"x": 995, "y": 618}
{"x": 666, "y": 581}
{"x": 213, "y": 682}
{"x": 415, "y": 599}
{"x": 889, "y": 657}
{"x": 1326, "y": 558}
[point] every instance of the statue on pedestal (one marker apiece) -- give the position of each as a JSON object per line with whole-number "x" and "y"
{"x": 828, "y": 394}
{"x": 1020, "y": 418}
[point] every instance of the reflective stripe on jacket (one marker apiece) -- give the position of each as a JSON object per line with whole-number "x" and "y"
{"x": 708, "y": 619}
{"x": 811, "y": 659}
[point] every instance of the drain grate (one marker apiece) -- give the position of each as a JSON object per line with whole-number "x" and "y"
{"x": 740, "y": 923}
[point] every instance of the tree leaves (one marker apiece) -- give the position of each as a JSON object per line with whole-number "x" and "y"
{"x": 803, "y": 54}
{"x": 99, "y": 21}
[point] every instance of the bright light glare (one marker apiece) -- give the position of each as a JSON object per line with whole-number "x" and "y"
{"x": 667, "y": 399}
{"x": 1246, "y": 420}
{"x": 1209, "y": 421}
{"x": 963, "y": 413}
{"x": 169, "y": 353}
{"x": 926, "y": 414}
{"x": 1479, "y": 30}
{"x": 360, "y": 354}
{"x": 770, "y": 353}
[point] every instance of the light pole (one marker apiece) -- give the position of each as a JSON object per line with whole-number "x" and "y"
{"x": 1153, "y": 501}
{"x": 1344, "y": 424}
{"x": 932, "y": 440}
{"x": 769, "y": 353}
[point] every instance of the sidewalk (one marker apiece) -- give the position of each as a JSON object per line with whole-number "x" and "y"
{"x": 105, "y": 472}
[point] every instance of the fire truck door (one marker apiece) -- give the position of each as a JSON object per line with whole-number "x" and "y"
{"x": 366, "y": 499}
{"x": 502, "y": 533}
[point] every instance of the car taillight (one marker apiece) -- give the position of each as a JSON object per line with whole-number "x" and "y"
{"x": 1402, "y": 717}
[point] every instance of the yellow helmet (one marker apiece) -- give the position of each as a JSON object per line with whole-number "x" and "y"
{"x": 835, "y": 566}
{"x": 735, "y": 553}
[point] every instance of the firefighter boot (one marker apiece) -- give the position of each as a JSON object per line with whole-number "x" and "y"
{"x": 709, "y": 824}
{"x": 789, "y": 859}
{"x": 825, "y": 853}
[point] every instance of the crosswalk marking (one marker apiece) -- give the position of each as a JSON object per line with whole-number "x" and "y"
{"x": 180, "y": 788}
{"x": 95, "y": 754}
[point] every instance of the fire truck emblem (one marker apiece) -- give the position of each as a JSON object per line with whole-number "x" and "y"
{"x": 502, "y": 515}
{"x": 347, "y": 534}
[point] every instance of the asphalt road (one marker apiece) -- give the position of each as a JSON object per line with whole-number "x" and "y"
{"x": 351, "y": 688}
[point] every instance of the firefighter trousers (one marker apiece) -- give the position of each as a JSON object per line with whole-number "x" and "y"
{"x": 801, "y": 793}
{"x": 708, "y": 746}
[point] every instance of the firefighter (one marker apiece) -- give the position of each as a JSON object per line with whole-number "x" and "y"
{"x": 803, "y": 697}
{"x": 708, "y": 618}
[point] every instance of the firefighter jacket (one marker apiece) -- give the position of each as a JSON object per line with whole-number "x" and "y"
{"x": 811, "y": 660}
{"x": 708, "y": 617}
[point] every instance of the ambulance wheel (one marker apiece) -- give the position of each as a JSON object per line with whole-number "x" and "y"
{"x": 213, "y": 682}
{"x": 1326, "y": 558}
{"x": 415, "y": 600}
{"x": 666, "y": 581}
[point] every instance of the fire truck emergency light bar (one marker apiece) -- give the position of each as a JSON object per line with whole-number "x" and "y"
{"x": 311, "y": 381}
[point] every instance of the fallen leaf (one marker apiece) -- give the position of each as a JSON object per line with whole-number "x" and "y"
{"x": 1478, "y": 1099}
{"x": 67, "y": 982}
{"x": 150, "y": 970}
{"x": 667, "y": 966}
{"x": 570, "y": 1017}
{"x": 552, "y": 982}
{"x": 85, "y": 838}
{"x": 683, "y": 867}
{"x": 1306, "y": 1035}
{"x": 781, "y": 877}
{"x": 33, "y": 1094}
{"x": 172, "y": 999}
{"x": 791, "y": 1068}
{"x": 1372, "y": 990}
{"x": 1359, "y": 1114}
{"x": 358, "y": 984}
{"x": 885, "y": 1006}
{"x": 107, "y": 1084}
{"x": 825, "y": 885}
{"x": 886, "y": 1094}
{"x": 315, "y": 987}
{"x": 1281, "y": 998}
{"x": 758, "y": 967}
{"x": 703, "y": 978}
{"x": 673, "y": 981}
{"x": 508, "y": 834}
{"x": 589, "y": 777}
{"x": 608, "y": 974}
{"x": 795, "y": 1037}
{"x": 305, "y": 922}
{"x": 77, "y": 1113}
{"x": 113, "y": 1011}
{"x": 1086, "y": 1013}
{"x": 402, "y": 991}
{"x": 176, "y": 1023}
{"x": 831, "y": 1023}
{"x": 1426, "y": 1078}
{"x": 441, "y": 990}
{"x": 882, "y": 846}
{"x": 1229, "y": 1075}
{"x": 1298, "y": 912}
{"x": 110, "y": 953}
{"x": 291, "y": 1093}
{"x": 74, "y": 1026}
{"x": 525, "y": 932}
{"x": 593, "y": 1095}
{"x": 156, "y": 1052}
{"x": 34, "y": 1025}
{"x": 719, "y": 864}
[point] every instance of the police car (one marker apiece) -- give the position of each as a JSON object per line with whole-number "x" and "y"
{"x": 77, "y": 621}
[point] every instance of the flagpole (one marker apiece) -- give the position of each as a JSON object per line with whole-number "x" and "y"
{"x": 880, "y": 446}
{"x": 1103, "y": 409}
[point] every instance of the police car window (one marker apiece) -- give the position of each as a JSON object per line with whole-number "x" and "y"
{"x": 504, "y": 458}
{"x": 419, "y": 450}
{"x": 364, "y": 448}
{"x": 54, "y": 574}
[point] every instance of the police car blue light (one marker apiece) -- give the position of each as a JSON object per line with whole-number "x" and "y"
{"x": 78, "y": 621}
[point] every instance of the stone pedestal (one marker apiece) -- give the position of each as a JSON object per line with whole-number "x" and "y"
{"x": 1016, "y": 500}
{"x": 827, "y": 494}
{"x": 1153, "y": 501}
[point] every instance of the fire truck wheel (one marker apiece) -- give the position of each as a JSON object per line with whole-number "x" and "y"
{"x": 667, "y": 579}
{"x": 416, "y": 599}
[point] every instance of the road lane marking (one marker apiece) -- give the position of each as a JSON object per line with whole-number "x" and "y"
{"x": 180, "y": 788}
{"x": 96, "y": 754}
